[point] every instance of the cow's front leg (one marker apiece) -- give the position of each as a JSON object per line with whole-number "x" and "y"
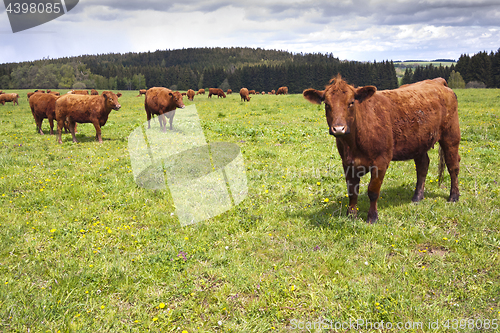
{"x": 352, "y": 181}
{"x": 377, "y": 177}
{"x": 422, "y": 166}
{"x": 97, "y": 130}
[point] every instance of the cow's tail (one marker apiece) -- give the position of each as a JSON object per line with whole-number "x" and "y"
{"x": 441, "y": 166}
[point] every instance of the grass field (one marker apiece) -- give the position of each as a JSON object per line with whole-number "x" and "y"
{"x": 84, "y": 249}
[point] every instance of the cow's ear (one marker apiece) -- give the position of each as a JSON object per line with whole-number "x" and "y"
{"x": 171, "y": 94}
{"x": 364, "y": 93}
{"x": 104, "y": 95}
{"x": 314, "y": 96}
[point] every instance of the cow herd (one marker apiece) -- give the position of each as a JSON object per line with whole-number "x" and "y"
{"x": 372, "y": 128}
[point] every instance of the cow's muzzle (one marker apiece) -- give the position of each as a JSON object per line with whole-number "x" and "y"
{"x": 339, "y": 130}
{"x": 117, "y": 107}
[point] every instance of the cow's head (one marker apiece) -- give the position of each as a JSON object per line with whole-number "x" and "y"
{"x": 341, "y": 101}
{"x": 111, "y": 100}
{"x": 177, "y": 98}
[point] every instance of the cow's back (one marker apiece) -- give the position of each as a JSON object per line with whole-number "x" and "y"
{"x": 419, "y": 114}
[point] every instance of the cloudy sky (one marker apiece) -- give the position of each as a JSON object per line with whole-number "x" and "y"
{"x": 363, "y": 30}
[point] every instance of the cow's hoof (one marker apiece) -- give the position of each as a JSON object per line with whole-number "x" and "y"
{"x": 453, "y": 198}
{"x": 352, "y": 212}
{"x": 372, "y": 217}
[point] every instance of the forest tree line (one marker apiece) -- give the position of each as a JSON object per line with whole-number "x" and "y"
{"x": 482, "y": 68}
{"x": 258, "y": 69}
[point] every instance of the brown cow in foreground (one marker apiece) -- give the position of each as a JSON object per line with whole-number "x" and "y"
{"x": 282, "y": 91}
{"x": 141, "y": 92}
{"x": 190, "y": 94}
{"x": 12, "y": 97}
{"x": 162, "y": 101}
{"x": 244, "y": 94}
{"x": 216, "y": 91}
{"x": 373, "y": 128}
{"x": 85, "y": 109}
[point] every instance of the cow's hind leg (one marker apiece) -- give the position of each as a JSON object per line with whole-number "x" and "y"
{"x": 452, "y": 160}
{"x": 422, "y": 166}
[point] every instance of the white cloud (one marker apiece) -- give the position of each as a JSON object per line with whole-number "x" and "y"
{"x": 350, "y": 29}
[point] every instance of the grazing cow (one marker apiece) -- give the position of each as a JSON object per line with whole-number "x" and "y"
{"x": 251, "y": 92}
{"x": 273, "y": 92}
{"x": 80, "y": 92}
{"x": 12, "y": 97}
{"x": 282, "y": 91}
{"x": 162, "y": 101}
{"x": 244, "y": 94}
{"x": 190, "y": 94}
{"x": 44, "y": 106}
{"x": 40, "y": 91}
{"x": 201, "y": 92}
{"x": 229, "y": 92}
{"x": 373, "y": 128}
{"x": 216, "y": 91}
{"x": 1, "y": 92}
{"x": 55, "y": 93}
{"x": 141, "y": 92}
{"x": 119, "y": 94}
{"x": 85, "y": 109}
{"x": 263, "y": 93}
{"x": 94, "y": 92}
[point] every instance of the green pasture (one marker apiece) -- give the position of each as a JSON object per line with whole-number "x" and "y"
{"x": 84, "y": 249}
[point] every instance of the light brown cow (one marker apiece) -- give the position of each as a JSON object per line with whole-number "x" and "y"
{"x": 12, "y": 97}
{"x": 251, "y": 92}
{"x": 94, "y": 92}
{"x": 282, "y": 91}
{"x": 141, "y": 92}
{"x": 216, "y": 91}
{"x": 273, "y": 92}
{"x": 80, "y": 92}
{"x": 119, "y": 94}
{"x": 55, "y": 93}
{"x": 373, "y": 128}
{"x": 190, "y": 94}
{"x": 85, "y": 109}
{"x": 244, "y": 94}
{"x": 162, "y": 102}
{"x": 201, "y": 92}
{"x": 229, "y": 92}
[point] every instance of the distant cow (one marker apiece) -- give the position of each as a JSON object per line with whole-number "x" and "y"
{"x": 162, "y": 102}
{"x": 80, "y": 92}
{"x": 12, "y": 97}
{"x": 251, "y": 92}
{"x": 282, "y": 91}
{"x": 273, "y": 92}
{"x": 119, "y": 94}
{"x": 373, "y": 128}
{"x": 229, "y": 92}
{"x": 216, "y": 91}
{"x": 85, "y": 109}
{"x": 201, "y": 92}
{"x": 190, "y": 94}
{"x": 263, "y": 93}
{"x": 141, "y": 92}
{"x": 94, "y": 92}
{"x": 55, "y": 93}
{"x": 244, "y": 94}
{"x": 1, "y": 92}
